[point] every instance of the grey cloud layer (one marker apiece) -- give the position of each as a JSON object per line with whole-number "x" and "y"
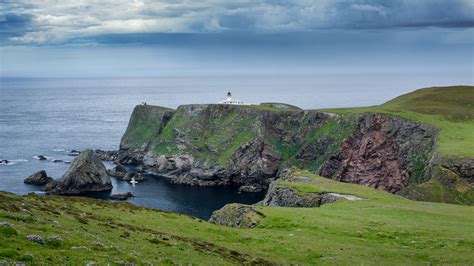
{"x": 55, "y": 21}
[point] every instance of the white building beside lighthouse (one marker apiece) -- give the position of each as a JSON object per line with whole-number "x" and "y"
{"x": 230, "y": 100}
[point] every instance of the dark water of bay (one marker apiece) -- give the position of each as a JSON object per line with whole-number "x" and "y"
{"x": 52, "y": 116}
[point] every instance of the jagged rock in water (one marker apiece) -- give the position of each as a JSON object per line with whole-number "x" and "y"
{"x": 39, "y": 178}
{"x": 74, "y": 153}
{"x": 87, "y": 173}
{"x": 237, "y": 215}
{"x": 42, "y": 157}
{"x": 123, "y": 196}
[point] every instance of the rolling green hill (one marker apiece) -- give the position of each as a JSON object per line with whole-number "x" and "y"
{"x": 382, "y": 229}
{"x": 449, "y": 108}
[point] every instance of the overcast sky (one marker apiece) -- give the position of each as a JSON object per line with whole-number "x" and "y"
{"x": 49, "y": 38}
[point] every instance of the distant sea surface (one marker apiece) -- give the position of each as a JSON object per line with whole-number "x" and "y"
{"x": 53, "y": 116}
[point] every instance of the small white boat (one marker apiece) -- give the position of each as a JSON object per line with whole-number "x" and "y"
{"x": 133, "y": 181}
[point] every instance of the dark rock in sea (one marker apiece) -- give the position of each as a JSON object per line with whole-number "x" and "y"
{"x": 107, "y": 155}
{"x": 57, "y": 161}
{"x": 123, "y": 196}
{"x": 42, "y": 157}
{"x": 236, "y": 215}
{"x": 118, "y": 171}
{"x": 74, "y": 153}
{"x": 39, "y": 178}
{"x": 4, "y": 162}
{"x": 67, "y": 162}
{"x": 86, "y": 174}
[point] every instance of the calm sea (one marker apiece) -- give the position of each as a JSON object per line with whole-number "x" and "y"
{"x": 52, "y": 116}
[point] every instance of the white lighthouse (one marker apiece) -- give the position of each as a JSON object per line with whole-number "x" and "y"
{"x": 230, "y": 100}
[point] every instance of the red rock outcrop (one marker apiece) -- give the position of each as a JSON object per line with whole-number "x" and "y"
{"x": 370, "y": 156}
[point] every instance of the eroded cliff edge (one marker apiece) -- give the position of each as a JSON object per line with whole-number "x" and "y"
{"x": 249, "y": 146}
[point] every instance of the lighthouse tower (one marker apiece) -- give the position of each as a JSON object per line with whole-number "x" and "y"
{"x": 230, "y": 100}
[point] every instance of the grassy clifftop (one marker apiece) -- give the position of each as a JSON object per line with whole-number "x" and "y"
{"x": 449, "y": 108}
{"x": 383, "y": 229}
{"x": 145, "y": 123}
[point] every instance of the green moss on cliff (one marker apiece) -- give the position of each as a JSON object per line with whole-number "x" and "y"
{"x": 145, "y": 123}
{"x": 445, "y": 186}
{"x": 320, "y": 141}
{"x": 211, "y": 133}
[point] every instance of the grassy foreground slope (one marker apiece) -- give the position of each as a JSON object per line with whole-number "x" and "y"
{"x": 449, "y": 108}
{"x": 385, "y": 228}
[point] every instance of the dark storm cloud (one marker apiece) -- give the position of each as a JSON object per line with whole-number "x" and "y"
{"x": 58, "y": 22}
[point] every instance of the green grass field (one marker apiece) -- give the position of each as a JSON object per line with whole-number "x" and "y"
{"x": 383, "y": 229}
{"x": 450, "y": 109}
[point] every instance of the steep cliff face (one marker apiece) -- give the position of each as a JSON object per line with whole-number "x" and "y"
{"x": 384, "y": 152}
{"x": 225, "y": 144}
{"x": 248, "y": 146}
{"x": 145, "y": 124}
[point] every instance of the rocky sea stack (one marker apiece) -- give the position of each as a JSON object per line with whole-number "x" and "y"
{"x": 86, "y": 174}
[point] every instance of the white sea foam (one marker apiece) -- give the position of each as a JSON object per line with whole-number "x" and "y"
{"x": 57, "y": 150}
{"x": 19, "y": 160}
